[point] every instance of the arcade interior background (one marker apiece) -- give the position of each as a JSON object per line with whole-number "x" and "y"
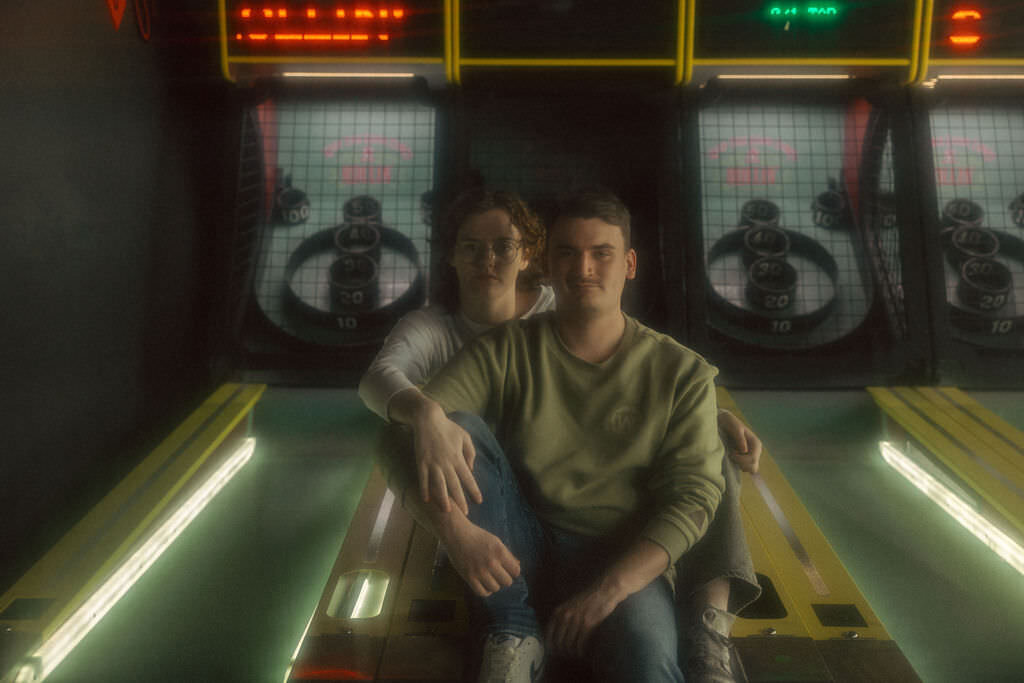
{"x": 143, "y": 264}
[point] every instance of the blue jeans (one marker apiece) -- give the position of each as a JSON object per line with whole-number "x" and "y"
{"x": 638, "y": 641}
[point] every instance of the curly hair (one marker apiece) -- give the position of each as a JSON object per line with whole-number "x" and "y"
{"x": 474, "y": 202}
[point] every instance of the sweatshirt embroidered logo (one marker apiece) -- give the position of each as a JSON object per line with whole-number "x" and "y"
{"x": 623, "y": 421}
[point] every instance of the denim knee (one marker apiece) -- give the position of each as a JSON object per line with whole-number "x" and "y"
{"x": 639, "y": 640}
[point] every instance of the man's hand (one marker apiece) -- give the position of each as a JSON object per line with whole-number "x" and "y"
{"x": 444, "y": 461}
{"x": 741, "y": 444}
{"x": 574, "y": 620}
{"x": 480, "y": 558}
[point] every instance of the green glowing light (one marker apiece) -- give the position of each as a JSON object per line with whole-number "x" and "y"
{"x": 815, "y": 11}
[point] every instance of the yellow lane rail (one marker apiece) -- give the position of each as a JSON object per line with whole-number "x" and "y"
{"x": 50, "y": 594}
{"x": 979, "y": 449}
{"x": 825, "y": 597}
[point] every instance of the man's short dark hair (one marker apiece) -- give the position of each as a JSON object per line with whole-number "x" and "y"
{"x": 595, "y": 202}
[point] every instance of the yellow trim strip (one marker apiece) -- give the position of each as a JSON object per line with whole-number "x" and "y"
{"x": 457, "y": 42}
{"x": 1002, "y": 453}
{"x": 994, "y": 422}
{"x": 813, "y": 61}
{"x": 1000, "y": 486}
{"x": 909, "y": 409}
{"x": 222, "y": 17}
{"x": 691, "y": 24}
{"x": 448, "y": 60}
{"x": 840, "y": 587}
{"x": 978, "y": 62}
{"x": 915, "y": 47}
{"x": 681, "y": 41}
{"x": 335, "y": 60}
{"x": 790, "y": 626}
{"x": 926, "y": 43}
{"x": 541, "y": 62}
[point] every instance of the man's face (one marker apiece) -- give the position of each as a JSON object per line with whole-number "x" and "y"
{"x": 589, "y": 264}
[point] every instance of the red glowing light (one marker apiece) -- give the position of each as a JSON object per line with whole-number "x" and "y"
{"x": 268, "y": 13}
{"x": 383, "y": 14}
{"x": 258, "y": 36}
{"x": 246, "y": 13}
{"x": 383, "y": 36}
{"x": 287, "y": 36}
{"x": 311, "y": 13}
{"x": 398, "y": 13}
{"x": 282, "y": 14}
{"x": 342, "y": 36}
{"x": 964, "y": 14}
{"x": 965, "y": 41}
{"x": 364, "y": 14}
{"x": 360, "y": 36}
{"x": 238, "y": 36}
{"x": 340, "y": 14}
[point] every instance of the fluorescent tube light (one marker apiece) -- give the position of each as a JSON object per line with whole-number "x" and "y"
{"x": 344, "y": 74}
{"x": 52, "y": 652}
{"x": 987, "y": 532}
{"x": 784, "y": 77}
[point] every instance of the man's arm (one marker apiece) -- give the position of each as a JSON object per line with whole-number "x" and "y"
{"x": 573, "y": 621}
{"x": 443, "y": 450}
{"x": 685, "y": 483}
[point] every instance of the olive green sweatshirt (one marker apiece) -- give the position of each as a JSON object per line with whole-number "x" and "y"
{"x": 599, "y": 447}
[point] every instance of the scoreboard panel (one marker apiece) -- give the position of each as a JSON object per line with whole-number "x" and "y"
{"x": 594, "y": 29}
{"x": 977, "y": 29}
{"x": 268, "y": 37}
{"x": 764, "y": 29}
{"x": 847, "y": 37}
{"x": 970, "y": 39}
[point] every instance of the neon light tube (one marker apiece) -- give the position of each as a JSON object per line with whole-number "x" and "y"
{"x": 785, "y": 77}
{"x": 965, "y": 40}
{"x": 987, "y": 532}
{"x": 980, "y": 77}
{"x": 298, "y": 647}
{"x": 962, "y": 14}
{"x": 53, "y": 651}
{"x": 332, "y": 74}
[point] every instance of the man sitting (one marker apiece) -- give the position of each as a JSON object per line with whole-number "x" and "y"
{"x": 589, "y": 446}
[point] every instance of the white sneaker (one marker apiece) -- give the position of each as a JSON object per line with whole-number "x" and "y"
{"x": 510, "y": 659}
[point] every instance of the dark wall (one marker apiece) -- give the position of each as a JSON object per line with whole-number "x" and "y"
{"x": 113, "y": 153}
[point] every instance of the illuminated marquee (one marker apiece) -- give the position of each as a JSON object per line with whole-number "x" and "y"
{"x": 964, "y": 22}
{"x": 811, "y": 11}
{"x": 339, "y": 25}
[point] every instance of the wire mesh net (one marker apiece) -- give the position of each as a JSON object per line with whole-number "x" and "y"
{"x": 799, "y": 230}
{"x": 978, "y": 155}
{"x": 345, "y": 247}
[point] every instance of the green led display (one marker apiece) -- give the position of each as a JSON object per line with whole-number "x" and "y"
{"x": 813, "y": 11}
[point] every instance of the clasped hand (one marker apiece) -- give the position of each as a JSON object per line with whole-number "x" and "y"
{"x": 444, "y": 461}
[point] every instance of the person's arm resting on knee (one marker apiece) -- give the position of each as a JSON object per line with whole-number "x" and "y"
{"x": 686, "y": 484}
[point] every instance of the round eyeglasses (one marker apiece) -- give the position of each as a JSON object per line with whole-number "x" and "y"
{"x": 504, "y": 250}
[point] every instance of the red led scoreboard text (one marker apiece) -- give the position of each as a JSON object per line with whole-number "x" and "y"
{"x": 338, "y": 25}
{"x": 964, "y": 32}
